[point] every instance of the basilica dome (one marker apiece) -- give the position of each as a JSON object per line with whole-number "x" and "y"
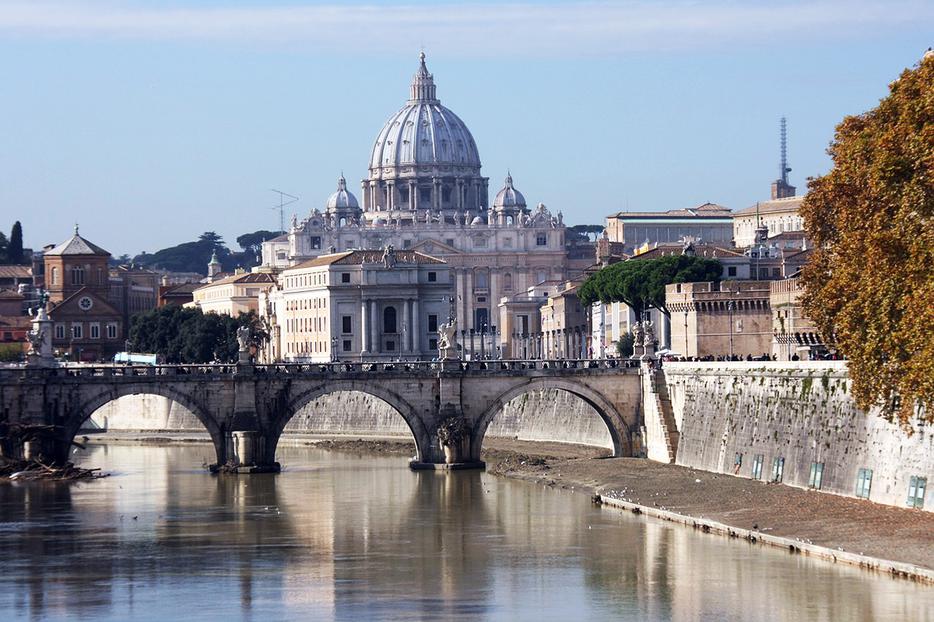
{"x": 509, "y": 196}
{"x": 342, "y": 199}
{"x": 424, "y": 133}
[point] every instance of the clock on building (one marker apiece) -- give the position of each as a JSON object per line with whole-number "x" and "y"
{"x": 85, "y": 303}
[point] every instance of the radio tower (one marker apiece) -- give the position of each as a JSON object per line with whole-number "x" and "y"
{"x": 281, "y": 206}
{"x": 781, "y": 189}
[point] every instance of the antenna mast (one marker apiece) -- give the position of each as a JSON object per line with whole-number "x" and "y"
{"x": 281, "y": 206}
{"x": 784, "y": 170}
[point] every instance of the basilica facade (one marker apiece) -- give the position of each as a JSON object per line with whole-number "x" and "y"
{"x": 425, "y": 192}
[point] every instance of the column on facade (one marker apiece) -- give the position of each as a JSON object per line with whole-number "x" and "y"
{"x": 435, "y": 193}
{"x": 390, "y": 195}
{"x": 460, "y": 278}
{"x": 406, "y": 325}
{"x": 460, "y": 194}
{"x": 468, "y": 300}
{"x": 412, "y": 193}
{"x": 416, "y": 329}
{"x": 364, "y": 327}
{"x": 374, "y": 329}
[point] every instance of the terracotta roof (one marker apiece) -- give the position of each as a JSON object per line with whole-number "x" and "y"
{"x": 771, "y": 207}
{"x": 77, "y": 245}
{"x": 15, "y": 272}
{"x": 246, "y": 277}
{"x": 15, "y": 321}
{"x": 9, "y": 294}
{"x": 704, "y": 251}
{"x": 181, "y": 290}
{"x": 359, "y": 257}
{"x": 707, "y": 210}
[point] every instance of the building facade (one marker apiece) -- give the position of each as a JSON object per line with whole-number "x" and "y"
{"x": 359, "y": 305}
{"x": 234, "y": 294}
{"x": 86, "y": 326}
{"x": 777, "y": 216}
{"x": 708, "y": 223}
{"x": 729, "y": 318}
{"x": 425, "y": 192}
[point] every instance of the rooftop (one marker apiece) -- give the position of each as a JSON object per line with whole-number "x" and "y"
{"x": 246, "y": 277}
{"x": 772, "y": 207}
{"x": 15, "y": 272}
{"x": 707, "y": 210}
{"x": 361, "y": 257}
{"x": 77, "y": 245}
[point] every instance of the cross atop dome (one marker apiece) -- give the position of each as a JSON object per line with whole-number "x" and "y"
{"x": 423, "y": 84}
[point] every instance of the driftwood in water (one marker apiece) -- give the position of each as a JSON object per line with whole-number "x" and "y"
{"x": 33, "y": 469}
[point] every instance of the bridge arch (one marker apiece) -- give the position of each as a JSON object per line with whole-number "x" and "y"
{"x": 616, "y": 424}
{"x": 89, "y": 406}
{"x": 376, "y": 389}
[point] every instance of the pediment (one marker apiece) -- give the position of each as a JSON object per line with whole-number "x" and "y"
{"x": 72, "y": 305}
{"x": 435, "y": 247}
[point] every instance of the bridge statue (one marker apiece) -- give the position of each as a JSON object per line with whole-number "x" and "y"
{"x": 638, "y": 337}
{"x": 40, "y": 337}
{"x": 447, "y": 341}
{"x": 244, "y": 337}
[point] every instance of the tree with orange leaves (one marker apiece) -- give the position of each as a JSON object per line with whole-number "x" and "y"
{"x": 869, "y": 284}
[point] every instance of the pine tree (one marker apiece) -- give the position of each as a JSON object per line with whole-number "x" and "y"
{"x": 15, "y": 248}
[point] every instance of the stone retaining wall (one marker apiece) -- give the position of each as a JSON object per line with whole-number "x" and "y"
{"x": 801, "y": 412}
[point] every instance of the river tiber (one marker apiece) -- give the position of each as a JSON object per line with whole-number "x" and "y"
{"x": 423, "y": 396}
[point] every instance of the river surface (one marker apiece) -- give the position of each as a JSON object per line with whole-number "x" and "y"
{"x": 340, "y": 536}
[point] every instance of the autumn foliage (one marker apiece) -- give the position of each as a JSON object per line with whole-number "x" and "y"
{"x": 869, "y": 284}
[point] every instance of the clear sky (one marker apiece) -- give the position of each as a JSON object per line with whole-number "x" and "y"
{"x": 149, "y": 122}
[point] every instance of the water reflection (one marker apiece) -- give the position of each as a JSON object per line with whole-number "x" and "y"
{"x": 349, "y": 537}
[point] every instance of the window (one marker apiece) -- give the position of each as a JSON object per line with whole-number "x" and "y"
{"x": 77, "y": 275}
{"x": 816, "y": 476}
{"x": 389, "y": 320}
{"x": 507, "y": 282}
{"x": 432, "y": 344}
{"x": 111, "y": 331}
{"x": 432, "y": 277}
{"x": 916, "y": 489}
{"x": 59, "y": 331}
{"x": 77, "y": 331}
{"x": 479, "y": 242}
{"x": 731, "y": 271}
{"x": 54, "y": 276}
{"x": 348, "y": 346}
{"x": 95, "y": 331}
{"x": 863, "y": 483}
{"x": 346, "y": 324}
{"x": 345, "y": 277}
{"x": 541, "y": 239}
{"x": 757, "y": 467}
{"x": 390, "y": 346}
{"x": 778, "y": 470}
{"x": 316, "y": 242}
{"x": 737, "y": 461}
{"x": 432, "y": 323}
{"x": 406, "y": 243}
{"x": 482, "y": 281}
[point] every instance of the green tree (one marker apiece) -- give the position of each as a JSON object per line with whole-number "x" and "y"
{"x": 4, "y": 247}
{"x": 640, "y": 283}
{"x": 585, "y": 232}
{"x": 868, "y": 284}
{"x": 183, "y": 335}
{"x": 15, "y": 249}
{"x": 189, "y": 256}
{"x": 251, "y": 243}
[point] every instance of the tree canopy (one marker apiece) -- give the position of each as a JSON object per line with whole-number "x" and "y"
{"x": 583, "y": 233}
{"x": 868, "y": 284}
{"x": 251, "y": 242}
{"x": 183, "y": 335}
{"x": 640, "y": 283}
{"x": 15, "y": 249}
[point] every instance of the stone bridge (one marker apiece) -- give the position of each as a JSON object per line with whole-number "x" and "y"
{"x": 246, "y": 407}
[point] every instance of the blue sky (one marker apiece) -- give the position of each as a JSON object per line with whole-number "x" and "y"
{"x": 150, "y": 122}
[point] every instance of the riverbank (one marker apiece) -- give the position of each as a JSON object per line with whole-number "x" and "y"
{"x": 894, "y": 540}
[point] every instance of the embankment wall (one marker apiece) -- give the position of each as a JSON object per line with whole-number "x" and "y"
{"x": 728, "y": 414}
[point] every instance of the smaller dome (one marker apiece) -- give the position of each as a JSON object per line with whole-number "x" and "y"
{"x": 343, "y": 198}
{"x": 508, "y": 196}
